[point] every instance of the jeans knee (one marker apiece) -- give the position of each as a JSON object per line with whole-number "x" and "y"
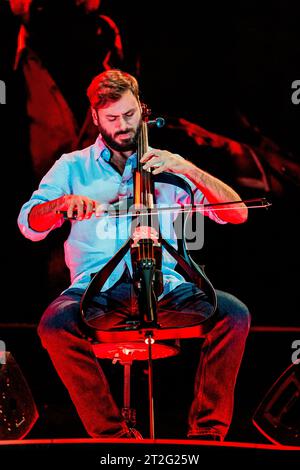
{"x": 235, "y": 311}
{"x": 242, "y": 317}
{"x": 59, "y": 319}
{"x": 46, "y": 330}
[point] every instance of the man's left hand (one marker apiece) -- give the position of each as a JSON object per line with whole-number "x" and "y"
{"x": 162, "y": 160}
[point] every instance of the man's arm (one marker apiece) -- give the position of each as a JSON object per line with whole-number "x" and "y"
{"x": 213, "y": 189}
{"x": 43, "y": 216}
{"x": 216, "y": 191}
{"x": 39, "y": 216}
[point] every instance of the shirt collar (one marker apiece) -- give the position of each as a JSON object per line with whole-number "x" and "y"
{"x": 102, "y": 151}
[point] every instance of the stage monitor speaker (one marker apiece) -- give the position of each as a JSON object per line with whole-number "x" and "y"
{"x": 278, "y": 415}
{"x": 18, "y": 412}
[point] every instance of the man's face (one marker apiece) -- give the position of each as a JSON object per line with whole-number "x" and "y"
{"x": 119, "y": 122}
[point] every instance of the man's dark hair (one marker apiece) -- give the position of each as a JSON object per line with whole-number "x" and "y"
{"x": 110, "y": 86}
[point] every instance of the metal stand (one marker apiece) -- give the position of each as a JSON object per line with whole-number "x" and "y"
{"x": 150, "y": 341}
{"x": 147, "y": 292}
{"x": 128, "y": 413}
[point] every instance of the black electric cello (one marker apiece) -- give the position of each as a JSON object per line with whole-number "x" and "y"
{"x": 146, "y": 243}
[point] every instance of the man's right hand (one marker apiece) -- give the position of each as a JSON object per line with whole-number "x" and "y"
{"x": 43, "y": 216}
{"x": 79, "y": 207}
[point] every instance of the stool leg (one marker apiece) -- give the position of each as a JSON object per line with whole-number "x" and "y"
{"x": 129, "y": 414}
{"x": 150, "y": 388}
{"x": 126, "y": 391}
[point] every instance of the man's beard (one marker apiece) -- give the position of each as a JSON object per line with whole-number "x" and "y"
{"x": 129, "y": 144}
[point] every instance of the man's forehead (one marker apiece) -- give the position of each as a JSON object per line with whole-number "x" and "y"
{"x": 127, "y": 102}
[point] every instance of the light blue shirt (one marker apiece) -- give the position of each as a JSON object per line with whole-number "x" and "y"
{"x": 92, "y": 242}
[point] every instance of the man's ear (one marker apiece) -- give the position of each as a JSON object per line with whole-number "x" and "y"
{"x": 95, "y": 116}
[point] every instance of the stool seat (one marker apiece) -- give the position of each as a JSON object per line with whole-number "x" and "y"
{"x": 137, "y": 335}
{"x": 124, "y": 345}
{"x": 133, "y": 351}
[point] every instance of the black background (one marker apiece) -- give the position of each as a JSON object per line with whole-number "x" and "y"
{"x": 204, "y": 61}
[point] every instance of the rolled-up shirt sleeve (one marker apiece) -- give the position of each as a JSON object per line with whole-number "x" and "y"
{"x": 199, "y": 198}
{"x": 53, "y": 185}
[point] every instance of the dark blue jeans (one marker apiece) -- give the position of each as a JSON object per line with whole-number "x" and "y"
{"x": 80, "y": 371}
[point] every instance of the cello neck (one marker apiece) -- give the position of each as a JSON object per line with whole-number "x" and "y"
{"x": 143, "y": 180}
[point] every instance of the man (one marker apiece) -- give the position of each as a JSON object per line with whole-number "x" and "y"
{"x": 55, "y": 48}
{"x": 80, "y": 183}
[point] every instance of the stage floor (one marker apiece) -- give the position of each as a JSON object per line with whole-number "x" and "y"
{"x": 58, "y": 434}
{"x": 131, "y": 453}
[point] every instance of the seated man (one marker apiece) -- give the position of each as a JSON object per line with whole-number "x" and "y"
{"x": 80, "y": 183}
